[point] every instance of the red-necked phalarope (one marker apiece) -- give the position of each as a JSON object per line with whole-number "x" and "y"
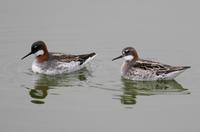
{"x": 135, "y": 68}
{"x": 56, "y": 63}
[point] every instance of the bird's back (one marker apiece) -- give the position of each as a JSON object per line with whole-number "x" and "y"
{"x": 59, "y": 63}
{"x": 151, "y": 70}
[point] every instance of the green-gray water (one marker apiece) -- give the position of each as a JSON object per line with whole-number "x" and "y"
{"x": 97, "y": 99}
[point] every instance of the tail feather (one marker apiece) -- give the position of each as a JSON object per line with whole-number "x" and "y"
{"x": 186, "y": 67}
{"x": 85, "y": 57}
{"x": 174, "y": 73}
{"x": 181, "y": 68}
{"x": 91, "y": 54}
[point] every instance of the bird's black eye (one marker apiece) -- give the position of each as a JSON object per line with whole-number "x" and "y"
{"x": 35, "y": 48}
{"x": 126, "y": 52}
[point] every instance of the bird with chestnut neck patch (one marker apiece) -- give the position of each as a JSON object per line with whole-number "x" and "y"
{"x": 54, "y": 62}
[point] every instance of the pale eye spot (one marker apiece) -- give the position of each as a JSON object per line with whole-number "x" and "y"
{"x": 126, "y": 51}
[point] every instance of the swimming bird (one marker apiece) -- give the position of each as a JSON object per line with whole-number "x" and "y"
{"x": 135, "y": 68}
{"x": 56, "y": 63}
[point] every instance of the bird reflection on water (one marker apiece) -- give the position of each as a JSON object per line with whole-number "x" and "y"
{"x": 128, "y": 94}
{"x": 44, "y": 83}
{"x": 132, "y": 89}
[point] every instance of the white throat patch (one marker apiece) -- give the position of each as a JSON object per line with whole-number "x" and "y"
{"x": 128, "y": 58}
{"x": 40, "y": 52}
